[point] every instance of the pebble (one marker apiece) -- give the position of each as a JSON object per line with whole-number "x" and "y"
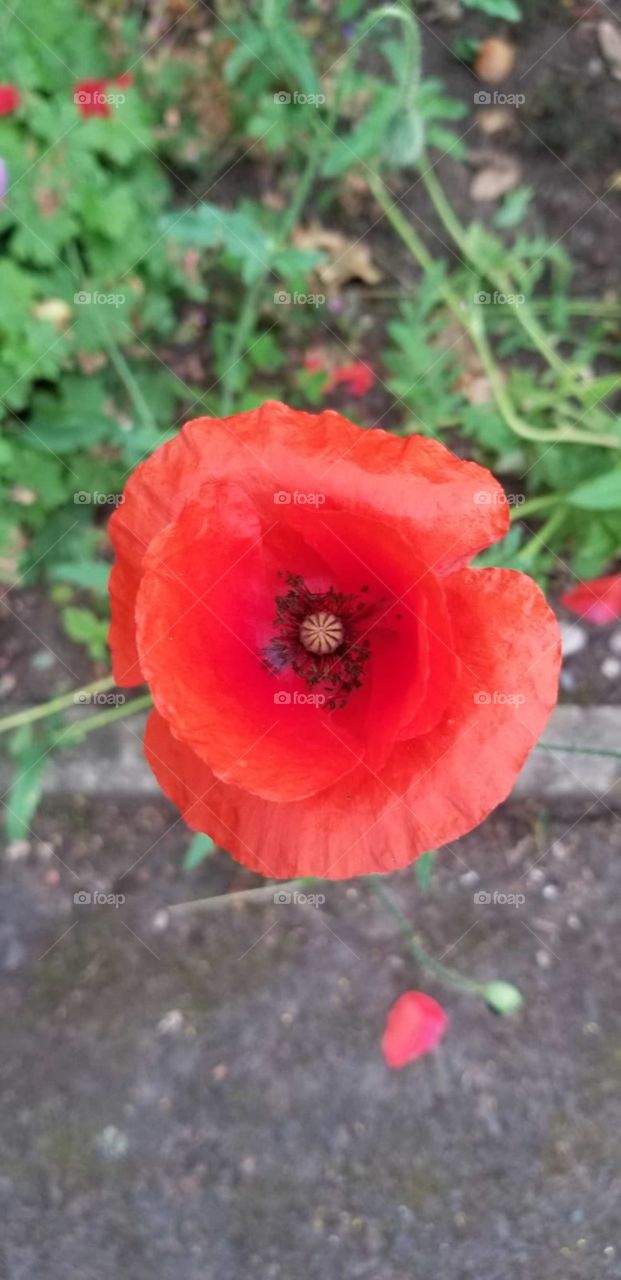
{"x": 614, "y": 642}
{"x": 573, "y": 638}
{"x": 112, "y": 1142}
{"x": 611, "y": 668}
{"x": 470, "y": 877}
{"x": 550, "y": 892}
{"x": 170, "y": 1023}
{"x": 17, "y": 850}
{"x": 543, "y": 958}
{"x": 567, "y": 681}
{"x": 160, "y": 920}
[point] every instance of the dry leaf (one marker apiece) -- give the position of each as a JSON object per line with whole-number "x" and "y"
{"x": 494, "y": 119}
{"x": 349, "y": 259}
{"x": 476, "y": 388}
{"x": 494, "y": 61}
{"x": 55, "y": 310}
{"x": 494, "y": 180}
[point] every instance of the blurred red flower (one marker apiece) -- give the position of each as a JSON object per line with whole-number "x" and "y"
{"x": 357, "y": 377}
{"x": 335, "y": 691}
{"x": 94, "y": 97}
{"x": 415, "y": 1025}
{"x": 10, "y": 99}
{"x": 597, "y": 601}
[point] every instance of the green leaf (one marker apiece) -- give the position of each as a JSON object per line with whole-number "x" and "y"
{"x": 25, "y": 789}
{"x": 601, "y": 494}
{"x": 506, "y": 9}
{"x": 83, "y": 626}
{"x": 199, "y": 848}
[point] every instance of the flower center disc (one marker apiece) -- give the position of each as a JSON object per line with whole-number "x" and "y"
{"x": 322, "y": 632}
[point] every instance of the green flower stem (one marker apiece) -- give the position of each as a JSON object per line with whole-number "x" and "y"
{"x": 499, "y": 279}
{"x": 113, "y": 350}
{"x": 473, "y": 325}
{"x": 218, "y": 900}
{"x": 50, "y": 708}
{"x": 542, "y": 537}
{"x": 579, "y": 751}
{"x": 74, "y": 732}
{"x": 535, "y": 505}
{"x": 426, "y": 961}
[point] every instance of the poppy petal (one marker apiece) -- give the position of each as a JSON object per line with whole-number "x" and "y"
{"x": 449, "y": 508}
{"x": 597, "y": 601}
{"x": 415, "y": 1025}
{"x": 434, "y": 787}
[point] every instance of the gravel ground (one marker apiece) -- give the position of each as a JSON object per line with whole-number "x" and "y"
{"x": 203, "y": 1097}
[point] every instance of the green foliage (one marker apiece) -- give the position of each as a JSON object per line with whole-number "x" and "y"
{"x": 506, "y": 9}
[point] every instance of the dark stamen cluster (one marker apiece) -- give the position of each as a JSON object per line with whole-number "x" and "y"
{"x": 337, "y": 673}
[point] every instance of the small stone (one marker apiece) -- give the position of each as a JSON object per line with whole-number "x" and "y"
{"x": 614, "y": 642}
{"x": 171, "y": 1023}
{"x": 469, "y": 877}
{"x": 568, "y": 681}
{"x": 543, "y": 958}
{"x": 220, "y": 1072}
{"x": 112, "y": 1143}
{"x": 160, "y": 920}
{"x": 42, "y": 660}
{"x": 573, "y": 922}
{"x": 611, "y": 668}
{"x": 559, "y": 850}
{"x": 17, "y": 850}
{"x": 573, "y": 638}
{"x": 44, "y": 850}
{"x": 550, "y": 892}
{"x": 52, "y": 877}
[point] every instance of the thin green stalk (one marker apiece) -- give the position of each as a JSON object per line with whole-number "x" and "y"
{"x": 543, "y": 536}
{"x": 218, "y": 900}
{"x": 117, "y": 359}
{"x": 76, "y": 731}
{"x": 421, "y": 955}
{"x": 473, "y": 325}
{"x": 64, "y": 700}
{"x": 579, "y": 751}
{"x": 534, "y": 505}
{"x": 499, "y": 279}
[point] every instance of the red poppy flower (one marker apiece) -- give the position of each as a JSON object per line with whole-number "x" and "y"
{"x": 597, "y": 601}
{"x": 357, "y": 377}
{"x": 10, "y": 99}
{"x": 335, "y": 691}
{"x": 415, "y": 1025}
{"x": 94, "y": 97}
